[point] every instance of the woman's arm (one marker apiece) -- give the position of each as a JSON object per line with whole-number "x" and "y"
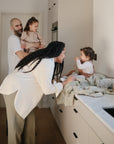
{"x": 44, "y": 73}
{"x": 70, "y": 79}
{"x": 70, "y": 72}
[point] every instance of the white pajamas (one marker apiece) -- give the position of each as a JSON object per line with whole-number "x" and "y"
{"x": 86, "y": 67}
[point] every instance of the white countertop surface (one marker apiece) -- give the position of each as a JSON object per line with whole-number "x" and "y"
{"x": 96, "y": 105}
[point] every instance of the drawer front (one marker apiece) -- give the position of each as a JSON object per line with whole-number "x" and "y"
{"x": 80, "y": 127}
{"x": 93, "y": 138}
{"x": 72, "y": 126}
{"x": 64, "y": 121}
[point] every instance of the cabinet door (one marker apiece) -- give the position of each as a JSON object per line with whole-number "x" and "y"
{"x": 51, "y": 99}
{"x": 54, "y": 110}
{"x": 93, "y": 138}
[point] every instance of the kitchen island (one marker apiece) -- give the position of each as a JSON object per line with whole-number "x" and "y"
{"x": 87, "y": 121}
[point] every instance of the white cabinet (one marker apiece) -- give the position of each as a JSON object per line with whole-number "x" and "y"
{"x": 92, "y": 138}
{"x": 73, "y": 126}
{"x": 81, "y": 128}
{"x": 65, "y": 124}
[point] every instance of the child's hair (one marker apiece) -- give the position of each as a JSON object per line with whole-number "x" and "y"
{"x": 89, "y": 52}
{"x": 30, "y": 22}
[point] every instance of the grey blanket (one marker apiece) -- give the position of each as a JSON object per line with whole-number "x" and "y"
{"x": 95, "y": 86}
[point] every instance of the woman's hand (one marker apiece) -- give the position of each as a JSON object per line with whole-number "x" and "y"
{"x": 68, "y": 80}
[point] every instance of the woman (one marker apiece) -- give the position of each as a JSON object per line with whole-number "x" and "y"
{"x": 24, "y": 88}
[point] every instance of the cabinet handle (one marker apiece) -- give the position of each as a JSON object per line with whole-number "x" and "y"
{"x": 53, "y": 98}
{"x": 54, "y": 4}
{"x": 75, "y": 98}
{"x": 75, "y": 135}
{"x": 75, "y": 110}
{"x": 61, "y": 110}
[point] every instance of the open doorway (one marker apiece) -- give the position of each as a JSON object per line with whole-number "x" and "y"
{"x": 5, "y": 33}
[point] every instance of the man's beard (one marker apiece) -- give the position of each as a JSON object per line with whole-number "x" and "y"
{"x": 18, "y": 32}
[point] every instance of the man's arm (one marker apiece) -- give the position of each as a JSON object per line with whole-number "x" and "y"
{"x": 21, "y": 54}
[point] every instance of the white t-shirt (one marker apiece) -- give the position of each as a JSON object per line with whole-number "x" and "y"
{"x": 86, "y": 67}
{"x": 13, "y": 46}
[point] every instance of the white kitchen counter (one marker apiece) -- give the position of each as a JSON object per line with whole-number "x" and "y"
{"x": 96, "y": 105}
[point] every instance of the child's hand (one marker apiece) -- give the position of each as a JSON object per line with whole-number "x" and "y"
{"x": 42, "y": 46}
{"x": 23, "y": 46}
{"x": 77, "y": 58}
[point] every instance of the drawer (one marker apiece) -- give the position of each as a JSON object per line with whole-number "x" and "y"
{"x": 93, "y": 138}
{"x": 64, "y": 121}
{"x": 80, "y": 127}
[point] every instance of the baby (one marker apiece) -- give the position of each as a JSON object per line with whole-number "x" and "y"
{"x": 31, "y": 39}
{"x": 85, "y": 62}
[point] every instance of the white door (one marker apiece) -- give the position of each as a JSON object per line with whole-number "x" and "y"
{"x": 6, "y": 32}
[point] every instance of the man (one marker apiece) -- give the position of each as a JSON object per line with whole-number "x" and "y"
{"x": 15, "y": 52}
{"x": 19, "y": 130}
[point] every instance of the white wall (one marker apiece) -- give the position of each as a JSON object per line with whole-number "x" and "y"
{"x": 103, "y": 39}
{"x": 75, "y": 27}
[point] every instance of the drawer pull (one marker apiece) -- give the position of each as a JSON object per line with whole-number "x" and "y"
{"x": 75, "y": 135}
{"x": 75, "y": 110}
{"x": 61, "y": 110}
{"x": 53, "y": 98}
{"x": 75, "y": 98}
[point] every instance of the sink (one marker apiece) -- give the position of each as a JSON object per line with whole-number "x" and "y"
{"x": 110, "y": 111}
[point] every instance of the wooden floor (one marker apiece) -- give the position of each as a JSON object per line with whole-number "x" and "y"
{"x": 46, "y": 128}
